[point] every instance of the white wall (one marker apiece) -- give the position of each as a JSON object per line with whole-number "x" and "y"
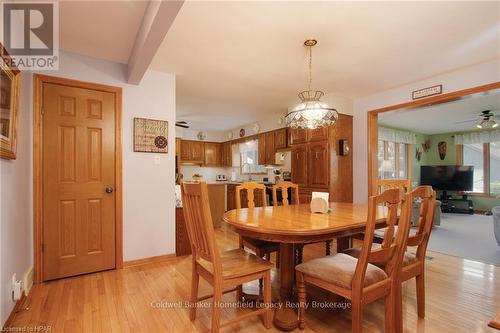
{"x": 148, "y": 188}
{"x": 468, "y": 77}
{"x": 16, "y": 254}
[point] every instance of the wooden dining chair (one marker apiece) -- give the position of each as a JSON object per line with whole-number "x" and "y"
{"x": 413, "y": 265}
{"x": 284, "y": 186}
{"x": 359, "y": 279}
{"x": 385, "y": 184}
{"x": 262, "y": 249}
{"x": 225, "y": 270}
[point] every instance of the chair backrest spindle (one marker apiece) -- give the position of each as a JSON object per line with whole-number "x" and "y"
{"x": 284, "y": 186}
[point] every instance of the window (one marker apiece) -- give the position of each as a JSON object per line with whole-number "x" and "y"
{"x": 249, "y": 158}
{"x": 392, "y": 160}
{"x": 495, "y": 168}
{"x": 474, "y": 155}
{"x": 485, "y": 157}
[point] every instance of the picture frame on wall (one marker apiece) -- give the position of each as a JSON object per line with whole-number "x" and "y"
{"x": 150, "y": 136}
{"x": 9, "y": 104}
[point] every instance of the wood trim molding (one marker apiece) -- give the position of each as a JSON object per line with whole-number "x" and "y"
{"x": 149, "y": 260}
{"x": 38, "y": 81}
{"x": 372, "y": 119}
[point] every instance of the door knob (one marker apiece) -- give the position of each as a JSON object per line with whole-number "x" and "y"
{"x": 109, "y": 189}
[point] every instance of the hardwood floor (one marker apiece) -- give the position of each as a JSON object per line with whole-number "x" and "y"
{"x": 462, "y": 296}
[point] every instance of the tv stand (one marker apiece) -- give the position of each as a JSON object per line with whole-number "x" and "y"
{"x": 448, "y": 204}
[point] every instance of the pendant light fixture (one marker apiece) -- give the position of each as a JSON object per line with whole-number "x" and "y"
{"x": 311, "y": 113}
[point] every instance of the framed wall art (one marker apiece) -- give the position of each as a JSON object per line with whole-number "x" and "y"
{"x": 150, "y": 136}
{"x": 9, "y": 104}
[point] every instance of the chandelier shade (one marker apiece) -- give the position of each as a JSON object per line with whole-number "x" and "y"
{"x": 311, "y": 112}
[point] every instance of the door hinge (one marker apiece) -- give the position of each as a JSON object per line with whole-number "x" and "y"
{"x": 43, "y": 247}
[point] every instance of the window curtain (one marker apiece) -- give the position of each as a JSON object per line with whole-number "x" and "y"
{"x": 398, "y": 136}
{"x": 477, "y": 137}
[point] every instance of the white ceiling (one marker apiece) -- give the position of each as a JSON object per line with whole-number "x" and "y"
{"x": 100, "y": 29}
{"x": 237, "y": 62}
{"x": 446, "y": 117}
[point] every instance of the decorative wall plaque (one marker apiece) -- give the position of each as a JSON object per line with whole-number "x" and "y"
{"x": 427, "y": 92}
{"x": 150, "y": 136}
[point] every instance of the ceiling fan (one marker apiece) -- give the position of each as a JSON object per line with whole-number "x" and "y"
{"x": 485, "y": 120}
{"x": 182, "y": 124}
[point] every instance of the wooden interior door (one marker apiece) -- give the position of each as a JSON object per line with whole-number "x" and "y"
{"x": 78, "y": 181}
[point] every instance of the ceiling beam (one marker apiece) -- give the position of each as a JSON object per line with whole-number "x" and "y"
{"x": 156, "y": 22}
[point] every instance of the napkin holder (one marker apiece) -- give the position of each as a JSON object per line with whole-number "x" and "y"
{"x": 319, "y": 202}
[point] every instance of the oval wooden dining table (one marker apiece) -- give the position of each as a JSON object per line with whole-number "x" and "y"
{"x": 295, "y": 224}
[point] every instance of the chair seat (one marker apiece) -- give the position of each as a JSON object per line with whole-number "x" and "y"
{"x": 339, "y": 270}
{"x": 408, "y": 259}
{"x": 237, "y": 263}
{"x": 263, "y": 246}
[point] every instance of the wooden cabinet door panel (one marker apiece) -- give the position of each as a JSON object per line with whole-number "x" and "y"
{"x": 78, "y": 166}
{"x": 270, "y": 150}
{"x": 185, "y": 150}
{"x": 212, "y": 155}
{"x": 318, "y": 134}
{"x": 318, "y": 165}
{"x": 298, "y": 136}
{"x": 299, "y": 165}
{"x": 280, "y": 138}
{"x": 262, "y": 149}
{"x": 197, "y": 151}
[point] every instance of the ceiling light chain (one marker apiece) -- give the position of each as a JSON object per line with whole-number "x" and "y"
{"x": 311, "y": 113}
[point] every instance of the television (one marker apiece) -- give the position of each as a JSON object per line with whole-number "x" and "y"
{"x": 447, "y": 177}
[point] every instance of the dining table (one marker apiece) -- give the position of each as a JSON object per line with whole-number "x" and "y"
{"x": 296, "y": 224}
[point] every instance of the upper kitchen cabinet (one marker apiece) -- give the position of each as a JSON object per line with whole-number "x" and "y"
{"x": 280, "y": 138}
{"x": 262, "y": 149}
{"x": 270, "y": 149}
{"x": 212, "y": 154}
{"x": 298, "y": 136}
{"x": 318, "y": 134}
{"x": 226, "y": 154}
{"x": 192, "y": 152}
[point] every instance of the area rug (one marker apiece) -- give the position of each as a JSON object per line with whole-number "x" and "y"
{"x": 466, "y": 236}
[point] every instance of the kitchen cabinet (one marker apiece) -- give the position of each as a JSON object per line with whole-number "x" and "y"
{"x": 298, "y": 136}
{"x": 270, "y": 150}
{"x": 212, "y": 154}
{"x": 192, "y": 151}
{"x": 318, "y": 165}
{"x": 280, "y": 138}
{"x": 305, "y": 196}
{"x": 317, "y": 134}
{"x": 316, "y": 162}
{"x": 226, "y": 154}
{"x": 262, "y": 148}
{"x": 299, "y": 165}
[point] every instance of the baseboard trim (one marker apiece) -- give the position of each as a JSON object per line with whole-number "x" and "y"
{"x": 17, "y": 308}
{"x": 148, "y": 260}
